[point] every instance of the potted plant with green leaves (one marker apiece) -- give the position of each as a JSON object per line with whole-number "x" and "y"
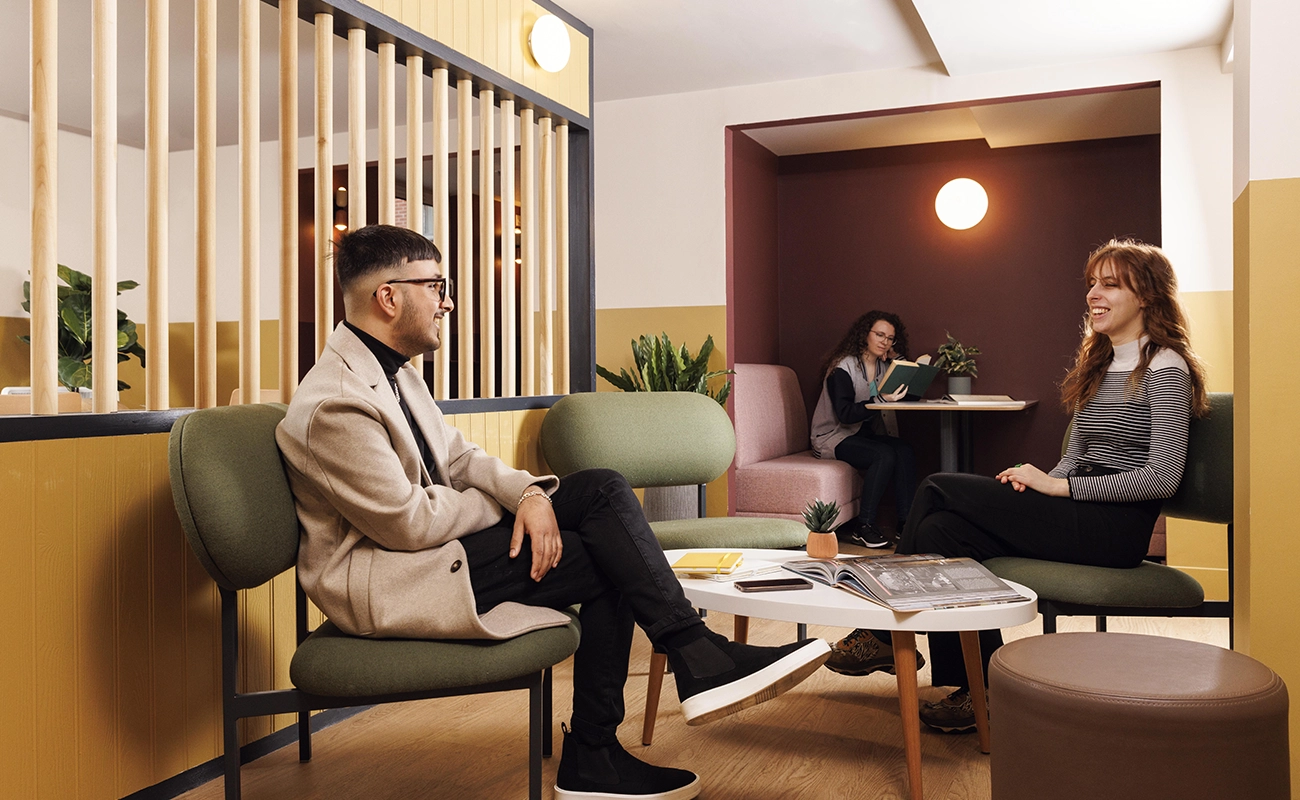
{"x": 661, "y": 367}
{"x": 957, "y": 360}
{"x": 74, "y": 304}
{"x": 819, "y": 517}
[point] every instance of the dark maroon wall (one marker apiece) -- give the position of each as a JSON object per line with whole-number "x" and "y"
{"x": 857, "y": 230}
{"x": 752, "y": 276}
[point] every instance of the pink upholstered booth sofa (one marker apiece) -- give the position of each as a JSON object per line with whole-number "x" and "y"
{"x": 776, "y": 472}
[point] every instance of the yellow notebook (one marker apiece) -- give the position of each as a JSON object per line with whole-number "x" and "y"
{"x": 714, "y": 563}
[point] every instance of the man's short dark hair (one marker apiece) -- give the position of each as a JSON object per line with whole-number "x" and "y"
{"x": 379, "y": 247}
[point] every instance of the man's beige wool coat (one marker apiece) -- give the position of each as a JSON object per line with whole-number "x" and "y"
{"x": 379, "y": 552}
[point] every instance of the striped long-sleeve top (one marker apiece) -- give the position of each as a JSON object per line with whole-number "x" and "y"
{"x": 1142, "y": 432}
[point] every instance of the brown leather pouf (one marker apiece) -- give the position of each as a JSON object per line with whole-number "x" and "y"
{"x": 1117, "y": 716}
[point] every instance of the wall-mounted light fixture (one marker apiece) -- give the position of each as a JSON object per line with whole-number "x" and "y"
{"x": 961, "y": 203}
{"x": 549, "y": 43}
{"x": 341, "y": 208}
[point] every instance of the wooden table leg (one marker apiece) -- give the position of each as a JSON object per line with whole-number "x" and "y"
{"x": 905, "y": 667}
{"x": 970, "y": 652}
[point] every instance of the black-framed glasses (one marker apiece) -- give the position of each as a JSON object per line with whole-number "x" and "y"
{"x": 443, "y": 286}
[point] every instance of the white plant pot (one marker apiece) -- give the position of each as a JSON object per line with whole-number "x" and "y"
{"x": 959, "y": 384}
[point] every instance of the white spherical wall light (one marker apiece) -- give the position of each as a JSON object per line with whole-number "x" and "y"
{"x": 549, "y": 43}
{"x": 961, "y": 203}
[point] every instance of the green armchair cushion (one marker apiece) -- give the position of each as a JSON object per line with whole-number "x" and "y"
{"x": 678, "y": 534}
{"x": 335, "y": 664}
{"x": 1145, "y": 586}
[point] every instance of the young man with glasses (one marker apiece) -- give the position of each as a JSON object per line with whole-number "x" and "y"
{"x": 411, "y": 531}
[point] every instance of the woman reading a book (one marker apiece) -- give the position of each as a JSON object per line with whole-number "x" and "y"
{"x": 1133, "y": 390}
{"x": 847, "y": 424}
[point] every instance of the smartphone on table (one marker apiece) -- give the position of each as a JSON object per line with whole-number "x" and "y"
{"x": 774, "y": 584}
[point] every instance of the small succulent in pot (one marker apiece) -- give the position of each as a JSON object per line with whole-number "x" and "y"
{"x": 819, "y": 517}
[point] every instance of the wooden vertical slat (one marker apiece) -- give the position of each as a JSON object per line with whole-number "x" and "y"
{"x": 465, "y": 234}
{"x": 387, "y": 134}
{"x": 509, "y": 347}
{"x": 324, "y": 282}
{"x": 156, "y": 384}
{"x": 562, "y": 259}
{"x": 546, "y": 263}
{"x": 356, "y": 128}
{"x": 442, "y": 218}
{"x": 250, "y": 349}
{"x": 415, "y": 150}
{"x": 205, "y": 203}
{"x": 44, "y": 108}
{"x": 103, "y": 134}
{"x": 288, "y": 199}
{"x": 528, "y": 384}
{"x": 487, "y": 244}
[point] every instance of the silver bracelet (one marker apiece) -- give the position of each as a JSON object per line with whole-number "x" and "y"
{"x": 532, "y": 493}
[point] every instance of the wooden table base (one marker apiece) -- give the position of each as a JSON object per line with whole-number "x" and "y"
{"x": 905, "y": 671}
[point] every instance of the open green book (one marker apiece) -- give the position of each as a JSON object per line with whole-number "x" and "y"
{"x": 916, "y": 375}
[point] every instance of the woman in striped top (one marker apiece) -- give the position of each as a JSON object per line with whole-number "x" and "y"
{"x": 1133, "y": 390}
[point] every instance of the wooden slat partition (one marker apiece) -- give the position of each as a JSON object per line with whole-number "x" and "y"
{"x": 465, "y": 234}
{"x": 156, "y": 383}
{"x": 205, "y": 203}
{"x": 528, "y": 382}
{"x": 415, "y": 156}
{"x": 356, "y": 128}
{"x": 387, "y": 134}
{"x": 442, "y": 218}
{"x": 487, "y": 244}
{"x": 562, "y": 259}
{"x": 250, "y": 114}
{"x": 324, "y": 177}
{"x": 288, "y": 199}
{"x": 546, "y": 264}
{"x": 103, "y": 167}
{"x": 509, "y": 351}
{"x": 44, "y": 108}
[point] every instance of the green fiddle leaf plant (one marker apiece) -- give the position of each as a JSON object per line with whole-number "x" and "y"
{"x": 662, "y": 368}
{"x": 74, "y": 305}
{"x": 956, "y": 358}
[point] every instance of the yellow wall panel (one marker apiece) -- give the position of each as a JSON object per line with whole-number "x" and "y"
{"x": 446, "y": 21}
{"x": 56, "y": 642}
{"x": 20, "y": 748}
{"x": 490, "y": 27}
{"x": 132, "y": 481}
{"x": 492, "y": 435}
{"x": 167, "y": 554}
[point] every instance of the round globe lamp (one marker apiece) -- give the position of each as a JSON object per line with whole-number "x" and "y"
{"x": 549, "y": 43}
{"x": 961, "y": 203}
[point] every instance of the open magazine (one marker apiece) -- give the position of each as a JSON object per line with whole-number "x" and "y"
{"x": 910, "y": 583}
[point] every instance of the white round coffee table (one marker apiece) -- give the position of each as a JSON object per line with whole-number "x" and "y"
{"x": 826, "y": 605}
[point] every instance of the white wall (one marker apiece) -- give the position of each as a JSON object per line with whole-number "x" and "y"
{"x": 660, "y": 165}
{"x": 75, "y": 236}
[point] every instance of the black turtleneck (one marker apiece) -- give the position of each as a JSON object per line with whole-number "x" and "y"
{"x": 391, "y": 361}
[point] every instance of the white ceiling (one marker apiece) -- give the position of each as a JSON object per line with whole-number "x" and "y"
{"x": 651, "y": 47}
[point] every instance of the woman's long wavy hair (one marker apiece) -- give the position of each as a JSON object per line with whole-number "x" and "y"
{"x": 1144, "y": 270}
{"x": 854, "y": 343}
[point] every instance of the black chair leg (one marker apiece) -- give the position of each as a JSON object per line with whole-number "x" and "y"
{"x": 801, "y": 631}
{"x": 547, "y": 714}
{"x": 1101, "y": 624}
{"x": 535, "y": 725}
{"x": 1049, "y": 618}
{"x": 304, "y": 735}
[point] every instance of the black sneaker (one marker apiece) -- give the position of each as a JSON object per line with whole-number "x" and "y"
{"x": 863, "y": 534}
{"x": 953, "y": 714}
{"x": 716, "y": 677}
{"x": 861, "y": 653}
{"x": 590, "y": 772}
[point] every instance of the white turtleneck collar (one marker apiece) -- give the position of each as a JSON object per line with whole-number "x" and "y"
{"x": 1127, "y": 355}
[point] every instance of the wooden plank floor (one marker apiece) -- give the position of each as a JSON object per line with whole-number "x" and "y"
{"x": 831, "y": 737}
